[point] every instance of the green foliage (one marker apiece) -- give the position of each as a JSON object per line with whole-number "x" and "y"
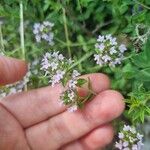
{"x": 77, "y": 33}
{"x": 138, "y": 104}
{"x": 142, "y": 61}
{"x": 81, "y": 82}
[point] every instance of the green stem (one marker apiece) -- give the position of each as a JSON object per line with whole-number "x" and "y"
{"x": 22, "y": 31}
{"x": 60, "y": 41}
{"x": 125, "y": 58}
{"x": 88, "y": 97}
{"x": 22, "y": 35}
{"x": 143, "y": 5}
{"x": 1, "y": 40}
{"x": 66, "y": 32}
{"x": 80, "y": 44}
{"x": 87, "y": 55}
{"x": 92, "y": 92}
{"x": 94, "y": 69}
{"x": 80, "y": 9}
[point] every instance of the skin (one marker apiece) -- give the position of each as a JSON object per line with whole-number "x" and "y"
{"x": 34, "y": 120}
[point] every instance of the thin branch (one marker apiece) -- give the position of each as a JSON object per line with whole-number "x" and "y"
{"x": 87, "y": 55}
{"x": 66, "y": 32}
{"x": 22, "y": 31}
{"x": 22, "y": 36}
{"x": 143, "y": 5}
{"x": 1, "y": 40}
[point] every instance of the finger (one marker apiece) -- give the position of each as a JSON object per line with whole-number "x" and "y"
{"x": 38, "y": 105}
{"x": 11, "y": 70}
{"x": 11, "y": 134}
{"x": 96, "y": 139}
{"x": 67, "y": 127}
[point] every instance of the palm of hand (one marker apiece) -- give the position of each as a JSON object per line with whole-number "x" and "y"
{"x": 35, "y": 120}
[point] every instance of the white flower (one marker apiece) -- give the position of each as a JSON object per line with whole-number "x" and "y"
{"x": 129, "y": 139}
{"x": 72, "y": 108}
{"x": 54, "y": 54}
{"x": 125, "y": 144}
{"x": 55, "y": 66}
{"x": 133, "y": 130}
{"x": 121, "y": 135}
{"x": 98, "y": 60}
{"x": 100, "y": 38}
{"x": 113, "y": 50}
{"x": 38, "y": 38}
{"x": 126, "y": 128}
{"x": 36, "y": 28}
{"x": 134, "y": 147}
{"x": 60, "y": 57}
{"x": 108, "y": 37}
{"x": 47, "y": 23}
{"x": 72, "y": 84}
{"x": 113, "y": 41}
{"x": 75, "y": 74}
{"x": 139, "y": 136}
{"x": 119, "y": 145}
{"x": 122, "y": 48}
{"x": 57, "y": 77}
{"x": 106, "y": 58}
{"x": 109, "y": 52}
{"x": 101, "y": 47}
{"x": 43, "y": 31}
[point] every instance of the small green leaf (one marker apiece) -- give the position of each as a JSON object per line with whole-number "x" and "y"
{"x": 141, "y": 60}
{"x": 81, "y": 82}
{"x": 142, "y": 116}
{"x": 143, "y": 75}
{"x": 148, "y": 110}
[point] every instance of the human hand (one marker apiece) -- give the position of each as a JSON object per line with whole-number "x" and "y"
{"x": 35, "y": 120}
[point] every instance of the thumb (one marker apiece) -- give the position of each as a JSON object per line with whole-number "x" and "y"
{"x": 11, "y": 70}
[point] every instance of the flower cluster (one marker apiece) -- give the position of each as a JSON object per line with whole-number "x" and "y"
{"x": 129, "y": 139}
{"x": 70, "y": 95}
{"x": 15, "y": 88}
{"x": 43, "y": 31}
{"x": 57, "y": 69}
{"x": 55, "y": 66}
{"x": 108, "y": 51}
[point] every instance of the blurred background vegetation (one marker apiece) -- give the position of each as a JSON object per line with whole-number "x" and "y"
{"x": 77, "y": 25}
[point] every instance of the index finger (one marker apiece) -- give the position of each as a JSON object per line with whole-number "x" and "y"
{"x": 11, "y": 70}
{"x": 38, "y": 105}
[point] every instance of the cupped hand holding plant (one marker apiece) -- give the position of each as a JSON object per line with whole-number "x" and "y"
{"x": 36, "y": 120}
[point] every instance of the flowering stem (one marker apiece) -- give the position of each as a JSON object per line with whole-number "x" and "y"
{"x": 1, "y": 40}
{"x": 72, "y": 44}
{"x": 60, "y": 41}
{"x": 88, "y": 97}
{"x": 22, "y": 35}
{"x": 87, "y": 55}
{"x": 91, "y": 92}
{"x": 80, "y": 44}
{"x": 125, "y": 58}
{"x": 66, "y": 32}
